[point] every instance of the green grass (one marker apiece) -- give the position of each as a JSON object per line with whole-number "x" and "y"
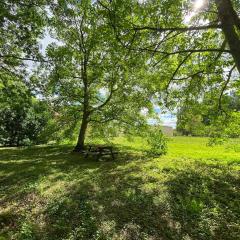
{"x": 193, "y": 192}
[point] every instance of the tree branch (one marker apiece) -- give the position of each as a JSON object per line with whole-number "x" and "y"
{"x": 180, "y": 29}
{"x": 24, "y": 58}
{"x": 187, "y": 51}
{"x": 177, "y": 69}
{"x": 224, "y": 88}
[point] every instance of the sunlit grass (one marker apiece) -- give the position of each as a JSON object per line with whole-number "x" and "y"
{"x": 193, "y": 192}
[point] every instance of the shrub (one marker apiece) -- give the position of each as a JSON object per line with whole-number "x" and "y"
{"x": 157, "y": 141}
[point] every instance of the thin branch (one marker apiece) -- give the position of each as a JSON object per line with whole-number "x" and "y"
{"x": 220, "y": 53}
{"x": 224, "y": 88}
{"x": 103, "y": 120}
{"x": 177, "y": 69}
{"x": 24, "y": 59}
{"x": 163, "y": 40}
{"x": 105, "y": 102}
{"x": 187, "y": 51}
{"x": 180, "y": 29}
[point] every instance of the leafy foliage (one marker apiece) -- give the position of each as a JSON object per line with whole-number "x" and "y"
{"x": 187, "y": 47}
{"x": 209, "y": 117}
{"x": 22, "y": 117}
{"x": 21, "y": 24}
{"x": 90, "y": 76}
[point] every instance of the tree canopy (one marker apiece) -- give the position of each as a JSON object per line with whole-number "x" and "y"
{"x": 114, "y": 60}
{"x": 192, "y": 48}
{"x": 89, "y": 73}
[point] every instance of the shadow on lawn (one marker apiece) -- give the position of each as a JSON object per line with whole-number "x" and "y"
{"x": 205, "y": 201}
{"x": 118, "y": 200}
{"x": 22, "y": 168}
{"x": 194, "y": 206}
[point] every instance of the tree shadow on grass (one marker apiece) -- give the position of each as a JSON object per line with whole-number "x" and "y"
{"x": 198, "y": 203}
{"x": 21, "y": 168}
{"x": 110, "y": 205}
{"x": 121, "y": 199}
{"x": 206, "y": 202}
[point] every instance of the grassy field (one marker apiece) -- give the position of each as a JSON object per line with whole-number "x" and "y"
{"x": 193, "y": 192}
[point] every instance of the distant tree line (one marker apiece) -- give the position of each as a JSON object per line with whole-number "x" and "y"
{"x": 202, "y": 118}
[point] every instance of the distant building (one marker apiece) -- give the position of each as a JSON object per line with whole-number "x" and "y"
{"x": 168, "y": 131}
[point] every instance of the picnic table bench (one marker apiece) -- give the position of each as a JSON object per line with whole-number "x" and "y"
{"x": 100, "y": 150}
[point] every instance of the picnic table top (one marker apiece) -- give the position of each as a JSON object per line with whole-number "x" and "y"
{"x": 100, "y": 146}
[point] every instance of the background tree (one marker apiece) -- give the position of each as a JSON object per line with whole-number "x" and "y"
{"x": 201, "y": 118}
{"x": 23, "y": 118}
{"x": 21, "y": 24}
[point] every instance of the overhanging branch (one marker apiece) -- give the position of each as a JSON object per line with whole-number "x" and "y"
{"x": 180, "y": 29}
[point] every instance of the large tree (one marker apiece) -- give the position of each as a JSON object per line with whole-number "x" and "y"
{"x": 90, "y": 75}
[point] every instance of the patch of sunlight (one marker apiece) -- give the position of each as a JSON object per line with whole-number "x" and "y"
{"x": 197, "y": 5}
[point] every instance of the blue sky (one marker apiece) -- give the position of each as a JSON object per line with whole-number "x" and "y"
{"x": 168, "y": 118}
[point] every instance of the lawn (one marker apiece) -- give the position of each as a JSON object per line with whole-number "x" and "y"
{"x": 48, "y": 192}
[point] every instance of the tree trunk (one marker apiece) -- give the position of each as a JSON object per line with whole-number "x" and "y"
{"x": 230, "y": 24}
{"x": 81, "y": 137}
{"x": 82, "y": 133}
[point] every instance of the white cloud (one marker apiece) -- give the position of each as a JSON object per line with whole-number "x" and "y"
{"x": 167, "y": 118}
{"x": 142, "y": 1}
{"x": 152, "y": 121}
{"x": 103, "y": 92}
{"x": 144, "y": 111}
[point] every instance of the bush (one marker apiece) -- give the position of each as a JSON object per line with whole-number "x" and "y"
{"x": 157, "y": 141}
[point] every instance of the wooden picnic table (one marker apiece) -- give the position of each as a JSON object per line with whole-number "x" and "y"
{"x": 100, "y": 150}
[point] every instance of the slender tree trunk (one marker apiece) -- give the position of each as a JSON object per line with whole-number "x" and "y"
{"x": 85, "y": 118}
{"x": 230, "y": 23}
{"x": 82, "y": 133}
